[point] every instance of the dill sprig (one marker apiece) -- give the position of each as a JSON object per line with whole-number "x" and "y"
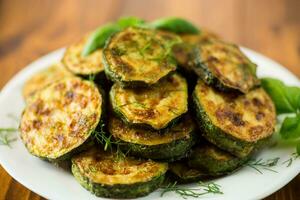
{"x": 5, "y": 136}
{"x": 204, "y": 188}
{"x": 262, "y": 164}
{"x": 167, "y": 53}
{"x": 108, "y": 143}
{"x": 100, "y": 136}
{"x": 144, "y": 49}
{"x": 290, "y": 161}
{"x": 92, "y": 77}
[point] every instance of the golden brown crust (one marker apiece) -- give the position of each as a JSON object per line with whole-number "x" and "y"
{"x": 155, "y": 106}
{"x": 60, "y": 117}
{"x": 77, "y": 64}
{"x": 43, "y": 78}
{"x": 102, "y": 167}
{"x": 229, "y": 65}
{"x": 138, "y": 55}
{"x": 250, "y": 117}
{"x": 147, "y": 137}
{"x": 198, "y": 38}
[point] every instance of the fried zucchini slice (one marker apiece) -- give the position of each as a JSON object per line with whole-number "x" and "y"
{"x": 59, "y": 119}
{"x": 39, "y": 80}
{"x": 104, "y": 175}
{"x": 234, "y": 123}
{"x": 171, "y": 145}
{"x": 183, "y": 52}
{"x": 155, "y": 107}
{"x": 138, "y": 57}
{"x": 83, "y": 65}
{"x": 224, "y": 66}
{"x": 180, "y": 172}
{"x": 204, "y": 35}
{"x": 213, "y": 161}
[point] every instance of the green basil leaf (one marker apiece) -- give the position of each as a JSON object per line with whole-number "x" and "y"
{"x": 125, "y": 22}
{"x": 285, "y": 98}
{"x": 290, "y": 128}
{"x": 294, "y": 96}
{"x": 97, "y": 38}
{"x": 174, "y": 24}
{"x": 298, "y": 148}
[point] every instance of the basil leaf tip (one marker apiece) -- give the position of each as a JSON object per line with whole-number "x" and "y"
{"x": 125, "y": 22}
{"x": 175, "y": 24}
{"x": 285, "y": 98}
{"x": 290, "y": 128}
{"x": 97, "y": 38}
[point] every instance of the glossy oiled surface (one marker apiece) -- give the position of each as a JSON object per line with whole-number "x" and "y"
{"x": 82, "y": 65}
{"x": 156, "y": 106}
{"x": 104, "y": 167}
{"x": 249, "y": 118}
{"x": 60, "y": 117}
{"x": 32, "y": 28}
{"x": 137, "y": 54}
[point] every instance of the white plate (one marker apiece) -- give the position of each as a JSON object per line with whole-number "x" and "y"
{"x": 54, "y": 183}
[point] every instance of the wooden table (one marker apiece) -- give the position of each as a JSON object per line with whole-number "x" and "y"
{"x": 29, "y": 29}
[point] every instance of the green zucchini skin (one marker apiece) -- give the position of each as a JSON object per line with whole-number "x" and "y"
{"x": 214, "y": 161}
{"x": 216, "y": 136}
{"x": 120, "y": 66}
{"x": 109, "y": 188}
{"x": 168, "y": 152}
{"x": 180, "y": 172}
{"x": 118, "y": 191}
{"x": 202, "y": 71}
{"x": 177, "y": 148}
{"x": 173, "y": 151}
{"x": 220, "y": 138}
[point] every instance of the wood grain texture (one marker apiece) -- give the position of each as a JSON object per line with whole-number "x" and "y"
{"x": 31, "y": 28}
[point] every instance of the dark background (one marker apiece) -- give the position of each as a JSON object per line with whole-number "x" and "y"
{"x": 31, "y": 28}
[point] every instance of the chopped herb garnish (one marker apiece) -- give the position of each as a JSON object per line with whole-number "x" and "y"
{"x": 289, "y": 161}
{"x": 5, "y": 136}
{"x": 92, "y": 77}
{"x": 261, "y": 164}
{"x": 108, "y": 143}
{"x": 203, "y": 189}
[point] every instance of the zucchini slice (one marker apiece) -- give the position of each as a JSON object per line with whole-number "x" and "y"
{"x": 104, "y": 175}
{"x": 155, "y": 107}
{"x": 224, "y": 66}
{"x": 204, "y": 35}
{"x": 235, "y": 123}
{"x": 213, "y": 161}
{"x": 39, "y": 80}
{"x": 184, "y": 51}
{"x": 179, "y": 171}
{"x": 83, "y": 65}
{"x": 59, "y": 119}
{"x": 138, "y": 57}
{"x": 172, "y": 145}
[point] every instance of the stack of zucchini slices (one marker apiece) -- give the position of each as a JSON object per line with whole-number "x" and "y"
{"x": 149, "y": 104}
